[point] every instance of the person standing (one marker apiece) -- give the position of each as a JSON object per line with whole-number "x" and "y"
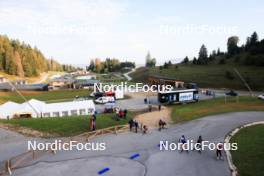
{"x": 199, "y": 144}
{"x": 136, "y": 126}
{"x": 125, "y": 113}
{"x": 131, "y": 124}
{"x": 117, "y": 113}
{"x": 94, "y": 122}
{"x": 91, "y": 123}
{"x": 145, "y": 100}
{"x": 150, "y": 107}
{"x": 145, "y": 129}
{"x": 219, "y": 149}
{"x": 183, "y": 142}
{"x": 160, "y": 124}
{"x": 159, "y": 107}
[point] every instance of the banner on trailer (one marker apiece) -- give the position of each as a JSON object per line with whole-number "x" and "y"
{"x": 187, "y": 96}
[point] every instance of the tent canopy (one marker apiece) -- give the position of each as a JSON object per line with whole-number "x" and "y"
{"x": 36, "y": 107}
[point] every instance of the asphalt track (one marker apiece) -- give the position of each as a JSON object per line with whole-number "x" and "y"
{"x": 149, "y": 160}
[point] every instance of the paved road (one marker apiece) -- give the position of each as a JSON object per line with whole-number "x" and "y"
{"x": 151, "y": 161}
{"x": 126, "y": 75}
{"x": 138, "y": 102}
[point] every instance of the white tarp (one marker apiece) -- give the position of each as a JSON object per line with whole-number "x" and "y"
{"x": 41, "y": 109}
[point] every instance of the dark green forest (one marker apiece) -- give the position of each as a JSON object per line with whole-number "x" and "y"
{"x": 249, "y": 54}
{"x": 19, "y": 58}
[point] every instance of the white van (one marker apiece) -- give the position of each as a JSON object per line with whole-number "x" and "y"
{"x": 103, "y": 100}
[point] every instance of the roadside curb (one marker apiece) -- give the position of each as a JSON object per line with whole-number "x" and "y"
{"x": 232, "y": 166}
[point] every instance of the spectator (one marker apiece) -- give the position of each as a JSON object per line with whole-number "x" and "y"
{"x": 159, "y": 107}
{"x": 150, "y": 107}
{"x": 199, "y": 144}
{"x": 145, "y": 129}
{"x": 125, "y": 113}
{"x": 162, "y": 124}
{"x": 183, "y": 142}
{"x": 136, "y": 126}
{"x": 131, "y": 124}
{"x": 219, "y": 151}
{"x": 94, "y": 122}
{"x": 91, "y": 123}
{"x": 117, "y": 113}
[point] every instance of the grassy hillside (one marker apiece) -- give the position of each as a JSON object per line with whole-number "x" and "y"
{"x": 212, "y": 75}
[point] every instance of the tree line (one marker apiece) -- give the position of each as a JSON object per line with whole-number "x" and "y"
{"x": 250, "y": 53}
{"x": 19, "y": 58}
{"x": 109, "y": 65}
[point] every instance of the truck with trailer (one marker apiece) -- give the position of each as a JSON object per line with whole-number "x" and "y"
{"x": 178, "y": 96}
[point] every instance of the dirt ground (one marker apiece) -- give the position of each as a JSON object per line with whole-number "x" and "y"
{"x": 151, "y": 119}
{"x": 27, "y": 131}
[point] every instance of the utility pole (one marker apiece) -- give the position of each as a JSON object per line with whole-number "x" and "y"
{"x": 244, "y": 81}
{"x": 22, "y": 96}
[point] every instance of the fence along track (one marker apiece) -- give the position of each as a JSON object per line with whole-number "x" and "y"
{"x": 24, "y": 159}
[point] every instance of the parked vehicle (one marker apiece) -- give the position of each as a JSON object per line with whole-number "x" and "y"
{"x": 178, "y": 96}
{"x": 109, "y": 107}
{"x": 231, "y": 93}
{"x": 96, "y": 94}
{"x": 261, "y": 97}
{"x": 103, "y": 100}
{"x": 117, "y": 94}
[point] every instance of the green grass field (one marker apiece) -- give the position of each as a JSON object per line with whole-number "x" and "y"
{"x": 67, "y": 126}
{"x": 213, "y": 76}
{"x": 49, "y": 96}
{"x": 182, "y": 113}
{"x": 249, "y": 157}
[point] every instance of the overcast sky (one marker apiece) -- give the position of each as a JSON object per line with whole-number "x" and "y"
{"x": 74, "y": 31}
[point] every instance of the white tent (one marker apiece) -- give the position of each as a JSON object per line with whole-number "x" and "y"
{"x": 33, "y": 107}
{"x": 72, "y": 108}
{"x": 38, "y": 108}
{"x": 7, "y": 109}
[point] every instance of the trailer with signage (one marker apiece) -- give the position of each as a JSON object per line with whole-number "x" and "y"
{"x": 178, "y": 96}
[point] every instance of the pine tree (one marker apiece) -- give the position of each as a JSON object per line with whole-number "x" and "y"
{"x": 203, "y": 56}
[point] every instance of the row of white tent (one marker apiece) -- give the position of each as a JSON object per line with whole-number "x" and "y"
{"x": 36, "y": 108}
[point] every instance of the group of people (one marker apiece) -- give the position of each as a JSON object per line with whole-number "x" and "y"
{"x": 135, "y": 124}
{"x": 199, "y": 141}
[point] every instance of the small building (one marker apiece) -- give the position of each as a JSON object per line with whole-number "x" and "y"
{"x": 20, "y": 82}
{"x": 30, "y": 87}
{"x": 39, "y": 109}
{"x": 3, "y": 79}
{"x": 61, "y": 82}
{"x": 86, "y": 76}
{"x": 84, "y": 83}
{"x": 161, "y": 80}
